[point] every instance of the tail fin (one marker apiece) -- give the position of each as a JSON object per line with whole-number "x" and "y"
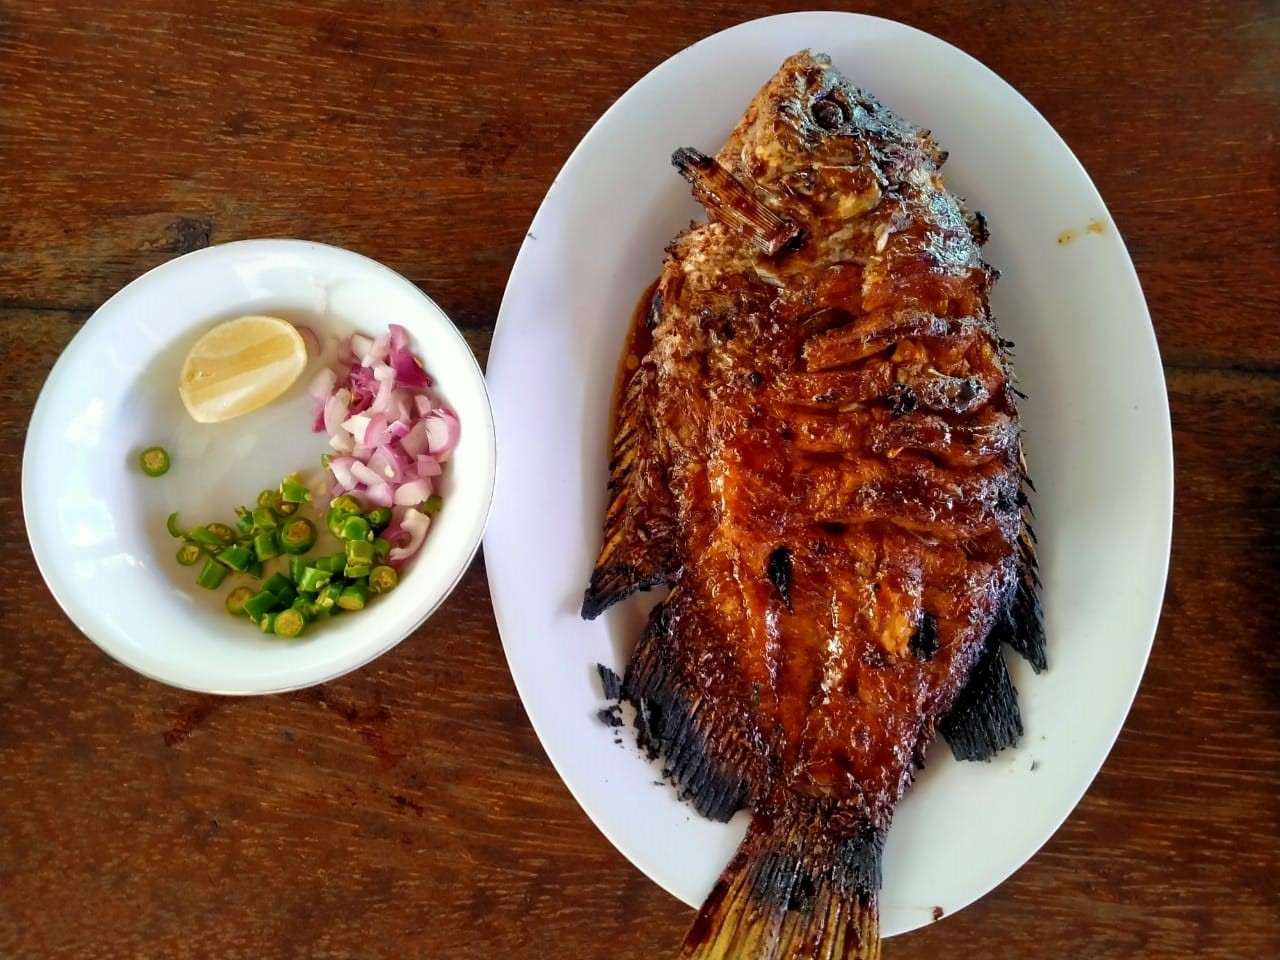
{"x": 794, "y": 890}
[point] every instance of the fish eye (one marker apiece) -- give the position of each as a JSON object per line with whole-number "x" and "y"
{"x": 829, "y": 113}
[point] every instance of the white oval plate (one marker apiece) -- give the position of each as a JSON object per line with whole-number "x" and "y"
{"x": 1097, "y": 439}
{"x": 97, "y": 523}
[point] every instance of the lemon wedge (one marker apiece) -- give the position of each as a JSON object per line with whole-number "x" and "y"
{"x": 239, "y": 366}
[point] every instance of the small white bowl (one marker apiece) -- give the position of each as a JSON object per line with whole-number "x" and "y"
{"x": 97, "y": 523}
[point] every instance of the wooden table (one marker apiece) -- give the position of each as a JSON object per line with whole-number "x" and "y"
{"x": 407, "y": 810}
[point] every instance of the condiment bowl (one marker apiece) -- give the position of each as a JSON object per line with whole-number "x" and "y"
{"x": 96, "y": 522}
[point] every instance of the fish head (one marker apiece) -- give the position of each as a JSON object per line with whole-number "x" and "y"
{"x": 815, "y": 146}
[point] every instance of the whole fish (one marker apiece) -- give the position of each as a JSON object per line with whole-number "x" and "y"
{"x": 820, "y": 456}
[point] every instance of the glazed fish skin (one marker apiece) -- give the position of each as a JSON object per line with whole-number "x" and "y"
{"x": 820, "y": 455}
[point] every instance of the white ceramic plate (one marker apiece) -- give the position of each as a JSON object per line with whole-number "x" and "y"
{"x": 97, "y": 523}
{"x": 1097, "y": 439}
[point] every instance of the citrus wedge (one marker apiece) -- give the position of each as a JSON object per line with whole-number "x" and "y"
{"x": 239, "y": 366}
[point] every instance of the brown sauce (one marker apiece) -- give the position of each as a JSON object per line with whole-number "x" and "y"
{"x": 638, "y": 342}
{"x": 1069, "y": 236}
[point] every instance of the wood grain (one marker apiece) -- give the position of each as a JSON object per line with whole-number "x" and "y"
{"x": 407, "y": 809}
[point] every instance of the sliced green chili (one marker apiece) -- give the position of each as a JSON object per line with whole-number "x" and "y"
{"x": 305, "y": 607}
{"x": 236, "y": 557}
{"x": 171, "y": 524}
{"x": 279, "y": 584}
{"x": 290, "y": 623}
{"x": 264, "y": 518}
{"x": 297, "y": 535}
{"x": 293, "y": 490}
{"x": 154, "y": 461}
{"x": 260, "y": 604}
{"x": 236, "y": 600}
{"x": 205, "y": 537}
{"x": 334, "y": 520}
{"x": 347, "y": 504}
{"x": 270, "y": 499}
{"x": 222, "y": 532}
{"x": 313, "y": 580}
{"x": 289, "y": 600}
{"x": 327, "y": 599}
{"x": 332, "y": 563}
{"x": 211, "y": 575}
{"x": 383, "y": 579}
{"x": 356, "y": 528}
{"x": 431, "y": 506}
{"x": 353, "y": 597}
{"x": 359, "y": 552}
{"x": 189, "y": 554}
{"x": 266, "y": 545}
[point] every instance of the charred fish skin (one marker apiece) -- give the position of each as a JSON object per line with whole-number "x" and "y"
{"x": 985, "y": 717}
{"x": 821, "y": 455}
{"x": 711, "y": 760}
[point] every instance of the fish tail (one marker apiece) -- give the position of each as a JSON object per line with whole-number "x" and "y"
{"x": 792, "y": 890}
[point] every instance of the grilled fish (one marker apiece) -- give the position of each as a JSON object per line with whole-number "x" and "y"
{"x": 820, "y": 456}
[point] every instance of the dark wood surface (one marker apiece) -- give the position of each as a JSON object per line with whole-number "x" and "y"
{"x": 407, "y": 810}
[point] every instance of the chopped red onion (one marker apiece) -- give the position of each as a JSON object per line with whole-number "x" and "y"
{"x": 442, "y": 433}
{"x": 341, "y": 469}
{"x": 375, "y": 434}
{"x": 309, "y": 338}
{"x": 365, "y": 474}
{"x": 322, "y": 384}
{"x": 380, "y": 494}
{"x": 408, "y": 373}
{"x": 414, "y": 443}
{"x": 358, "y": 346}
{"x": 390, "y": 435}
{"x": 415, "y": 523}
{"x": 412, "y": 493}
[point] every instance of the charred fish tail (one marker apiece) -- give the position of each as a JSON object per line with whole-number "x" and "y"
{"x": 793, "y": 889}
